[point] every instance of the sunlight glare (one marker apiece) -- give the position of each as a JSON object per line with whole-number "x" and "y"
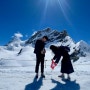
{"x": 61, "y": 4}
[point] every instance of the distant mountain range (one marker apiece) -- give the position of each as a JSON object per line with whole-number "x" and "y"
{"x": 77, "y": 49}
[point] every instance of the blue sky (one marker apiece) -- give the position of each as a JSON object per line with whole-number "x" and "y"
{"x": 27, "y": 16}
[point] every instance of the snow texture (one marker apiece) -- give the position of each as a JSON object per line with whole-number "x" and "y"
{"x": 17, "y": 73}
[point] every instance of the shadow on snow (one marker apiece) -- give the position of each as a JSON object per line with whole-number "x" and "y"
{"x": 35, "y": 85}
{"x": 69, "y": 85}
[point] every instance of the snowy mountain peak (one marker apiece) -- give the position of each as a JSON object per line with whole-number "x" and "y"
{"x": 16, "y": 38}
{"x": 18, "y": 35}
{"x": 84, "y": 47}
{"x": 61, "y": 38}
{"x": 53, "y": 35}
{"x": 15, "y": 42}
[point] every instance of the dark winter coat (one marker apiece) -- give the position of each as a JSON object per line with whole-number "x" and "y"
{"x": 39, "y": 46}
{"x": 66, "y": 65}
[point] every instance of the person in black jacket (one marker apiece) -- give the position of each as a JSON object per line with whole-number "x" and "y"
{"x": 66, "y": 65}
{"x": 40, "y": 54}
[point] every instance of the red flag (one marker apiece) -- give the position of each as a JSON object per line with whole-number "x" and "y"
{"x": 53, "y": 64}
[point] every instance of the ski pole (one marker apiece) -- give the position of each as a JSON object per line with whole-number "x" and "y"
{"x": 45, "y": 63}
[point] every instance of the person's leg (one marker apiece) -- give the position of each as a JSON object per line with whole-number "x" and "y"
{"x": 62, "y": 70}
{"x": 37, "y": 65}
{"x": 68, "y": 76}
{"x": 42, "y": 66}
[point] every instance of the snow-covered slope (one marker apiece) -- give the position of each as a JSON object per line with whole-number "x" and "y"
{"x": 18, "y": 73}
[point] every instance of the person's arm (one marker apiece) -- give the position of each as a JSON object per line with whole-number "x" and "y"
{"x": 43, "y": 51}
{"x": 57, "y": 59}
{"x": 55, "y": 56}
{"x": 37, "y": 47}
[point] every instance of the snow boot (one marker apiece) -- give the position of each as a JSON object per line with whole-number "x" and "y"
{"x": 61, "y": 76}
{"x": 42, "y": 75}
{"x": 36, "y": 76}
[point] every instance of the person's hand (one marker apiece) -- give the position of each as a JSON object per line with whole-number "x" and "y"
{"x": 53, "y": 64}
{"x": 43, "y": 51}
{"x": 52, "y": 60}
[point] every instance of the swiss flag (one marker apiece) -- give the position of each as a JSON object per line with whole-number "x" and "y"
{"x": 53, "y": 64}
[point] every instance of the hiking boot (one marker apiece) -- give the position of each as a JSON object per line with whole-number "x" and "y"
{"x": 61, "y": 76}
{"x": 42, "y": 75}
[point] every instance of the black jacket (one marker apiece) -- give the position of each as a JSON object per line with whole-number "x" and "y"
{"x": 66, "y": 65}
{"x": 61, "y": 51}
{"x": 39, "y": 46}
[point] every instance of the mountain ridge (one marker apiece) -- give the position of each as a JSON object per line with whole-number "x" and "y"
{"x": 79, "y": 49}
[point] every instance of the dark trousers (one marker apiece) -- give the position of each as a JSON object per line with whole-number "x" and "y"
{"x": 39, "y": 59}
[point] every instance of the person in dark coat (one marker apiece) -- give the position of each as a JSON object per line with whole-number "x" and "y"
{"x": 40, "y": 54}
{"x": 66, "y": 65}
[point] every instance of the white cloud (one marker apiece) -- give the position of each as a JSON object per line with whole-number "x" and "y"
{"x": 18, "y": 35}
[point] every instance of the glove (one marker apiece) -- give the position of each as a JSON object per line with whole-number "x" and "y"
{"x": 53, "y": 64}
{"x": 52, "y": 60}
